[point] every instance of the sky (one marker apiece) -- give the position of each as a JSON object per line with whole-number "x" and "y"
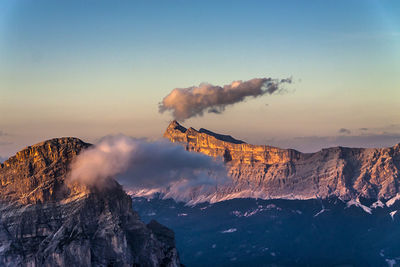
{"x": 93, "y": 68}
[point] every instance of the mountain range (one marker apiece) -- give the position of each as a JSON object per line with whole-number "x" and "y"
{"x": 268, "y": 172}
{"x": 338, "y": 206}
{"x": 280, "y": 232}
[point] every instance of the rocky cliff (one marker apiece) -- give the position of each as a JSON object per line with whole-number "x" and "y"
{"x": 46, "y": 220}
{"x": 270, "y": 172}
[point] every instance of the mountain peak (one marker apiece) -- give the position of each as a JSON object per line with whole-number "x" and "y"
{"x": 174, "y": 125}
{"x": 49, "y": 150}
{"x": 48, "y": 220}
{"x": 176, "y": 132}
{"x": 37, "y": 173}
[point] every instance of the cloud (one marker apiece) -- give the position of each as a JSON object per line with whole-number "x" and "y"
{"x": 4, "y": 134}
{"x": 185, "y": 103}
{"x": 393, "y": 126}
{"x": 139, "y": 164}
{"x": 5, "y": 143}
{"x": 316, "y": 143}
{"x": 344, "y": 131}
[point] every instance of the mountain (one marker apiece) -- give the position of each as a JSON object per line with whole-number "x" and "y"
{"x": 47, "y": 220}
{"x": 270, "y": 172}
{"x": 281, "y": 232}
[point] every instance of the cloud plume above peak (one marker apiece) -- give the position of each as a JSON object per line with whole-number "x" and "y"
{"x": 185, "y": 103}
{"x": 139, "y": 164}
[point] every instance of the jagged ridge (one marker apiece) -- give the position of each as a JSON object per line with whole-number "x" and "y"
{"x": 46, "y": 220}
{"x": 271, "y": 172}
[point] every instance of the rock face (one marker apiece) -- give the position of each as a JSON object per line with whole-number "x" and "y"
{"x": 270, "y": 172}
{"x": 48, "y": 221}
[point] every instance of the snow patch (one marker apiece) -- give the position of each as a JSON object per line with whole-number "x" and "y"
{"x": 320, "y": 212}
{"x": 237, "y": 213}
{"x": 357, "y": 203}
{"x": 251, "y": 213}
{"x": 391, "y": 262}
{"x": 231, "y": 230}
{"x": 260, "y": 208}
{"x": 391, "y": 201}
{"x": 145, "y": 193}
{"x": 377, "y": 204}
{"x": 272, "y": 206}
{"x": 393, "y": 213}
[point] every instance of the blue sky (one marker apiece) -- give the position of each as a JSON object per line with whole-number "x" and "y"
{"x": 92, "y": 68}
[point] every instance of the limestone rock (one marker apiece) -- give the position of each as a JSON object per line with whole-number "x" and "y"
{"x": 47, "y": 221}
{"x": 271, "y": 172}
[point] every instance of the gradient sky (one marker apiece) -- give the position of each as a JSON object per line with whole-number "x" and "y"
{"x": 93, "y": 68}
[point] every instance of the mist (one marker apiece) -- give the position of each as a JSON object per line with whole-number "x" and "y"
{"x": 141, "y": 165}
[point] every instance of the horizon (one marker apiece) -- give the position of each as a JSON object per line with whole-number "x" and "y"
{"x": 2, "y": 159}
{"x": 91, "y": 70}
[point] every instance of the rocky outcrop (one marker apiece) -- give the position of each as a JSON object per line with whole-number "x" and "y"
{"x": 271, "y": 172}
{"x": 46, "y": 220}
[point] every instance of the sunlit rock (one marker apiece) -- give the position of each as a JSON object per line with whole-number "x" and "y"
{"x": 48, "y": 221}
{"x": 271, "y": 172}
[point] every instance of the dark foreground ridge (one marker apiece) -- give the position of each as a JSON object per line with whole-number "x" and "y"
{"x": 49, "y": 221}
{"x": 278, "y": 232}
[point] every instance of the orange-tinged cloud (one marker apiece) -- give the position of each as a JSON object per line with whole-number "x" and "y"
{"x": 185, "y": 103}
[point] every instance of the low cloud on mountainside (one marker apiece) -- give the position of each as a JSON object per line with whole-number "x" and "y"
{"x": 139, "y": 164}
{"x": 185, "y": 103}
